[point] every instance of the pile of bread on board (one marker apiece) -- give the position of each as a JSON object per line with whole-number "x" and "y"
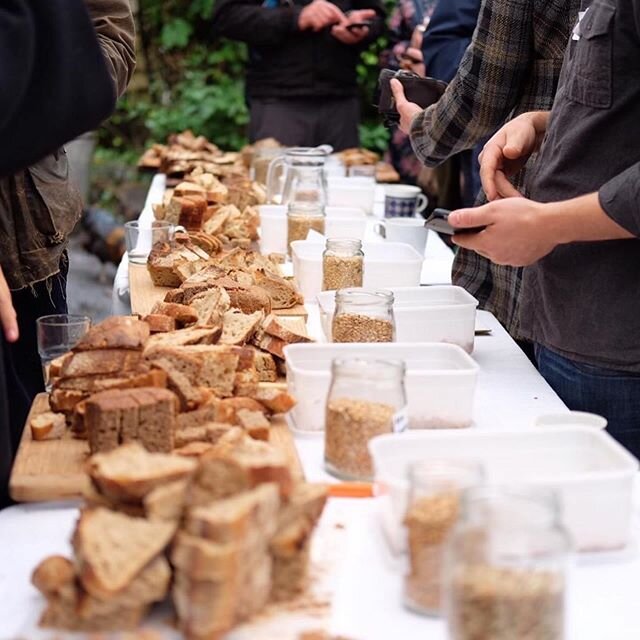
{"x": 223, "y": 535}
{"x": 172, "y": 389}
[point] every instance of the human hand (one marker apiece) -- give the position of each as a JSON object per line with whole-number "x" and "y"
{"x": 407, "y": 110}
{"x": 506, "y": 153}
{"x": 318, "y": 15}
{"x": 354, "y": 35}
{"x": 8, "y": 318}
{"x": 516, "y": 233}
{"x": 413, "y": 61}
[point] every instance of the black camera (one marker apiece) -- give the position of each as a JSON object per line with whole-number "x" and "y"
{"x": 422, "y": 91}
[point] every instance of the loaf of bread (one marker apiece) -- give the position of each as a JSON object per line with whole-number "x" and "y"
{"x": 116, "y": 332}
{"x": 146, "y": 415}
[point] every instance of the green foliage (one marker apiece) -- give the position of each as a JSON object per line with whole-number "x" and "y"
{"x": 195, "y": 83}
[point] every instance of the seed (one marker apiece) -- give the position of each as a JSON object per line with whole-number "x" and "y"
{"x": 299, "y": 226}
{"x": 341, "y": 272}
{"x": 350, "y": 424}
{"x": 354, "y": 327}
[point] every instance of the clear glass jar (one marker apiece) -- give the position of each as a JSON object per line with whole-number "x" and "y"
{"x": 363, "y": 316}
{"x": 435, "y": 488}
{"x": 262, "y": 159}
{"x": 342, "y": 264}
{"x": 366, "y": 399}
{"x": 506, "y": 565}
{"x": 301, "y": 219}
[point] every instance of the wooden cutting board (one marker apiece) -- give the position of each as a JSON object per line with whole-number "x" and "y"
{"x": 54, "y": 469}
{"x": 144, "y": 294}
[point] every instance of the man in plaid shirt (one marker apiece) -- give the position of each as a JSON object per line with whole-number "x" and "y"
{"x": 511, "y": 67}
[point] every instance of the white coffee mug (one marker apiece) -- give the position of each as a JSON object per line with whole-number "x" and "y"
{"x": 408, "y": 230}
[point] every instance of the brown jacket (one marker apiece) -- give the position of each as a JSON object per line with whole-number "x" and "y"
{"x": 38, "y": 206}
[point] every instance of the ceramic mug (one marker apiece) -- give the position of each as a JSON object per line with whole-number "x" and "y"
{"x": 403, "y": 201}
{"x": 408, "y": 230}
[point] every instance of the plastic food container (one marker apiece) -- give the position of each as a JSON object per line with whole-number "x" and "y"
{"x": 440, "y": 381}
{"x": 591, "y": 472}
{"x": 341, "y": 222}
{"x": 386, "y": 265}
{"x": 352, "y": 192}
{"x": 440, "y": 313}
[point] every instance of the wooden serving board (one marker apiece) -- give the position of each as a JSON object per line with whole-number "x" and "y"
{"x": 54, "y": 469}
{"x": 144, "y": 294}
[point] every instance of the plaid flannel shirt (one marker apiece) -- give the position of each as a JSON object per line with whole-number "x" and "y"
{"x": 511, "y": 66}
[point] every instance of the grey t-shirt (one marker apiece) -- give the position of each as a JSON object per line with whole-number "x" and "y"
{"x": 583, "y": 299}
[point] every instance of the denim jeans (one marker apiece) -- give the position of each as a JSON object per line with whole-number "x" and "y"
{"x": 609, "y": 393}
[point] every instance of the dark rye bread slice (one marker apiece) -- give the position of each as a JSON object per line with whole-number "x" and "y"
{"x": 111, "y": 549}
{"x": 117, "y": 332}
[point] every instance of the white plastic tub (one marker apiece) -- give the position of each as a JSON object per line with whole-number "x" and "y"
{"x": 388, "y": 264}
{"x": 352, "y": 192}
{"x": 440, "y": 313}
{"x": 440, "y": 381}
{"x": 592, "y": 473}
{"x": 341, "y": 222}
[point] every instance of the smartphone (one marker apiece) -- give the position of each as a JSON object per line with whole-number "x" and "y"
{"x": 437, "y": 221}
{"x": 357, "y": 25}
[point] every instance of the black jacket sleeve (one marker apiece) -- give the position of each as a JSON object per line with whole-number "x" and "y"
{"x": 53, "y": 79}
{"x": 248, "y": 21}
{"x": 448, "y": 36}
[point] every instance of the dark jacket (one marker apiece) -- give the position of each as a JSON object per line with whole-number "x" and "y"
{"x": 286, "y": 62}
{"x": 448, "y": 36}
{"x": 39, "y": 207}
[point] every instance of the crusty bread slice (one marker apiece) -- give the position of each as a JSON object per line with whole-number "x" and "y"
{"x": 166, "y": 501}
{"x": 283, "y": 293}
{"x": 48, "y": 426}
{"x": 189, "y": 395}
{"x": 275, "y": 400}
{"x": 193, "y": 450}
{"x": 102, "y": 362}
{"x": 238, "y": 328}
{"x": 278, "y": 327}
{"x": 254, "y": 423}
{"x": 160, "y": 323}
{"x": 207, "y": 432}
{"x": 112, "y": 549}
{"x": 265, "y": 366}
{"x": 184, "y": 314}
{"x": 116, "y": 332}
{"x": 130, "y": 472}
{"x": 210, "y": 305}
{"x": 202, "y": 559}
{"x": 270, "y": 344}
{"x": 142, "y": 376}
{"x": 182, "y": 337}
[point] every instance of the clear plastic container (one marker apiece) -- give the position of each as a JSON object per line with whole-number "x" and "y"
{"x": 506, "y": 565}
{"x": 366, "y": 399}
{"x": 342, "y": 264}
{"x": 363, "y": 316}
{"x": 301, "y": 218}
{"x": 435, "y": 487}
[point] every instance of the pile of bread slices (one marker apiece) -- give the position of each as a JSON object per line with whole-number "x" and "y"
{"x": 175, "y": 390}
{"x": 224, "y": 535}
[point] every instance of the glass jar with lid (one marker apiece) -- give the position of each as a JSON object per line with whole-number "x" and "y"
{"x": 342, "y": 264}
{"x": 506, "y": 565}
{"x": 366, "y": 399}
{"x": 363, "y": 315}
{"x": 435, "y": 488}
{"x": 301, "y": 218}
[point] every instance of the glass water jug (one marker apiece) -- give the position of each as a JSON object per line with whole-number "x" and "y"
{"x": 298, "y": 177}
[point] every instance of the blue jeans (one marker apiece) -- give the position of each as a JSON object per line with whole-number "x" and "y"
{"x": 609, "y": 393}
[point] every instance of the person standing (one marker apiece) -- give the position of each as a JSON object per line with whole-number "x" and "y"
{"x": 578, "y": 233}
{"x": 511, "y": 66}
{"x": 301, "y": 78}
{"x": 39, "y": 46}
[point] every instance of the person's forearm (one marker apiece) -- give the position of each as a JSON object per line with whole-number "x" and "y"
{"x": 581, "y": 220}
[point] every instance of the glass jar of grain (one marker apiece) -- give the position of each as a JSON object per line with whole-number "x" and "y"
{"x": 301, "y": 218}
{"x": 342, "y": 264}
{"x": 434, "y": 503}
{"x": 363, "y": 316}
{"x": 366, "y": 399}
{"x": 506, "y": 565}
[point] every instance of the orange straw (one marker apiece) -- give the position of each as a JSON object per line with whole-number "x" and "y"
{"x": 351, "y": 490}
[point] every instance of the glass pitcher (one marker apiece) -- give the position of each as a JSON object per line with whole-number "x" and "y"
{"x": 302, "y": 179}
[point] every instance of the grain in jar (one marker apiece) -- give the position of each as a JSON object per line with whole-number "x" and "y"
{"x": 366, "y": 399}
{"x": 434, "y": 497}
{"x": 342, "y": 264}
{"x": 363, "y": 316}
{"x": 301, "y": 219}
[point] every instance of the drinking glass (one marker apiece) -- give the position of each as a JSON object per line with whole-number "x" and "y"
{"x": 140, "y": 237}
{"x": 57, "y": 335}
